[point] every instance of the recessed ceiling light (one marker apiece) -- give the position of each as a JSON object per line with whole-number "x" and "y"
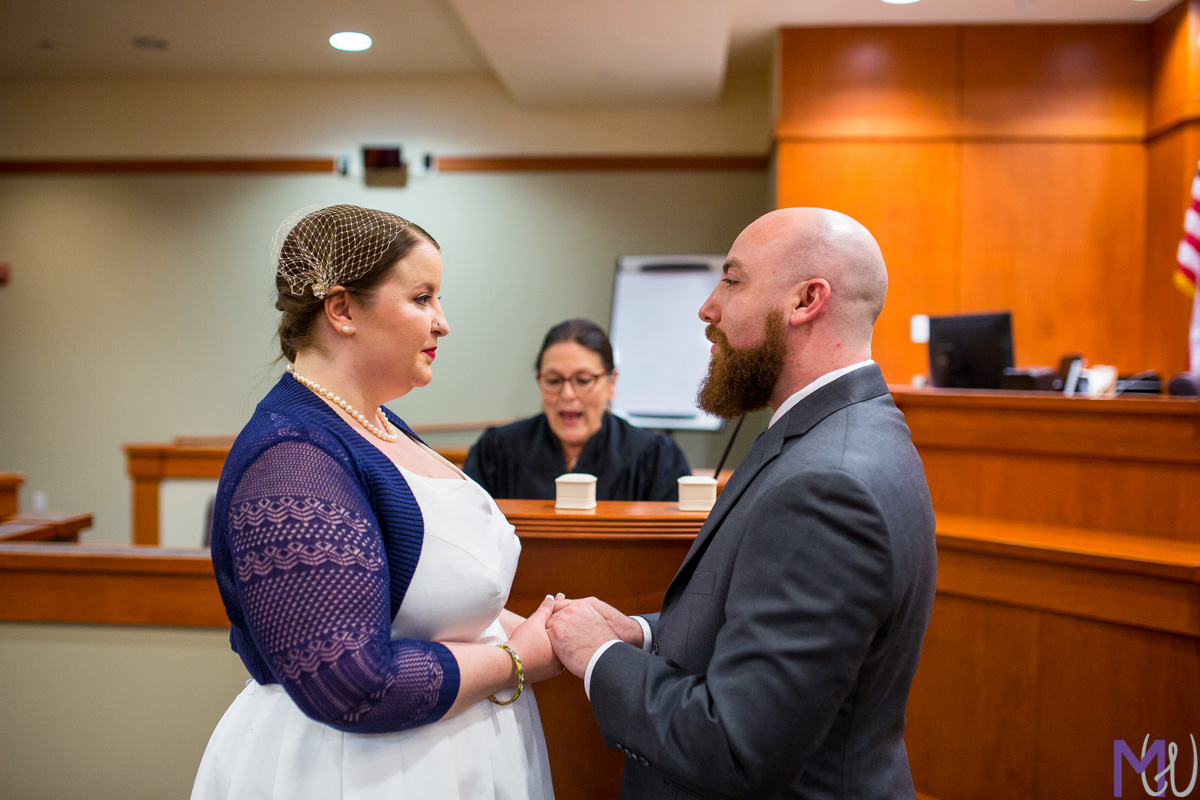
{"x": 899, "y": 2}
{"x": 349, "y": 40}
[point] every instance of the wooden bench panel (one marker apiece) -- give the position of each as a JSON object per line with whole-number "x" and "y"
{"x": 1047, "y": 644}
{"x": 1122, "y": 465}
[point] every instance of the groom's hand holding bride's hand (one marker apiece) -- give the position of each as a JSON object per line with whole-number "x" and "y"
{"x": 578, "y": 627}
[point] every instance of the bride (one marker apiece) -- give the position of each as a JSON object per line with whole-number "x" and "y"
{"x": 364, "y": 576}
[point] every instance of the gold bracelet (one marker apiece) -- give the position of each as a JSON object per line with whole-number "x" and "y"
{"x": 516, "y": 659}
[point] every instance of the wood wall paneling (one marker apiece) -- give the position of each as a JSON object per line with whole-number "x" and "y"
{"x": 1174, "y": 78}
{"x": 1060, "y": 215}
{"x": 1056, "y": 232}
{"x": 1171, "y": 164}
{"x": 907, "y": 195}
{"x": 868, "y": 82}
{"x": 1075, "y": 81}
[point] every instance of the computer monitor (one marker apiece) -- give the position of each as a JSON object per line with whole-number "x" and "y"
{"x": 970, "y": 351}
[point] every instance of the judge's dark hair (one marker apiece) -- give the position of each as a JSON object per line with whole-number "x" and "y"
{"x": 582, "y": 332}
{"x": 297, "y": 326}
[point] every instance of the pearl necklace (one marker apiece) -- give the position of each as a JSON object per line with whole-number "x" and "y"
{"x": 388, "y": 432}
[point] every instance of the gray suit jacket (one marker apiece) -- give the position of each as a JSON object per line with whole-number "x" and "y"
{"x": 788, "y": 639}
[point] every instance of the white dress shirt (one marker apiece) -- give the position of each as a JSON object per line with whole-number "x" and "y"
{"x": 828, "y": 377}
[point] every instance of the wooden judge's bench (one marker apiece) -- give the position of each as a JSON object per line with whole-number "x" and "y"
{"x": 1067, "y": 613}
{"x": 1068, "y": 604}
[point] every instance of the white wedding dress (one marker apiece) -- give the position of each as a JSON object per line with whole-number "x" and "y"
{"x": 265, "y": 747}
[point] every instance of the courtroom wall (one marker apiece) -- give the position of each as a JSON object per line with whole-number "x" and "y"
{"x": 140, "y": 306}
{"x": 83, "y": 703}
{"x": 1001, "y": 167}
{"x": 248, "y": 117}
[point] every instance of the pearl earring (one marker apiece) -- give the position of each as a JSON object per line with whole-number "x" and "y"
{"x": 345, "y": 329}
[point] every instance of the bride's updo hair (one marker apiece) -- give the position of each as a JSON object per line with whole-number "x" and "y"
{"x": 337, "y": 246}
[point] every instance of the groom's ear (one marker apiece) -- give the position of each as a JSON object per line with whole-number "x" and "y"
{"x": 808, "y": 301}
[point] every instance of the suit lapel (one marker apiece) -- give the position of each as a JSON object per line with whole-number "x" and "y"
{"x": 855, "y": 387}
{"x": 762, "y": 452}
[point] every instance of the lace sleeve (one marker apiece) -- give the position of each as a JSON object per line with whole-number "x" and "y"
{"x": 310, "y": 575}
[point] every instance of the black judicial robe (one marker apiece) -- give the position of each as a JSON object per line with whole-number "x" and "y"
{"x": 521, "y": 460}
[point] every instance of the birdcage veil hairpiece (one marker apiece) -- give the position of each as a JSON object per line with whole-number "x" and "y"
{"x": 317, "y": 248}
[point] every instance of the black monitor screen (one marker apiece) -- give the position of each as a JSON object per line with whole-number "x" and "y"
{"x": 970, "y": 351}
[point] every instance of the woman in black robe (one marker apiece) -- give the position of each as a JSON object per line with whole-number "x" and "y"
{"x": 575, "y": 432}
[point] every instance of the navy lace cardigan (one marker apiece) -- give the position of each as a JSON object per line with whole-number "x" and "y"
{"x": 315, "y": 538}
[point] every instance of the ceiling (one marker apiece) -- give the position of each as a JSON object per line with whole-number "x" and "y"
{"x": 545, "y": 52}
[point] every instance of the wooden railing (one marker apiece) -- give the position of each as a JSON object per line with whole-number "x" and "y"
{"x": 43, "y": 526}
{"x": 149, "y": 464}
{"x": 10, "y": 482}
{"x": 35, "y": 526}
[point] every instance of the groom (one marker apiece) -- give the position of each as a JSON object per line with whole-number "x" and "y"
{"x": 781, "y": 661}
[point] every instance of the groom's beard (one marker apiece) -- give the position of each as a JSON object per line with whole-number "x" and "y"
{"x": 741, "y": 381}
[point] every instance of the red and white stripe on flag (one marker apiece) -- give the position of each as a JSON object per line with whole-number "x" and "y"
{"x": 1188, "y": 260}
{"x": 1188, "y": 255}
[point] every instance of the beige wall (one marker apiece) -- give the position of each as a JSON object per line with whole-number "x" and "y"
{"x": 139, "y": 307}
{"x": 266, "y": 117}
{"x": 108, "y": 711}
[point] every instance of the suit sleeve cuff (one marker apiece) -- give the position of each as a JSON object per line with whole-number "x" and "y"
{"x": 587, "y": 674}
{"x": 647, "y": 634}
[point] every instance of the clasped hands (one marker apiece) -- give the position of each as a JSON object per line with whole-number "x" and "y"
{"x": 564, "y": 633}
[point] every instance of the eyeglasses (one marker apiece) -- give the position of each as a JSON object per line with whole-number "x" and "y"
{"x": 581, "y": 382}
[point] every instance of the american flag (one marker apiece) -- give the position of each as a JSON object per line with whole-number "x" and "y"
{"x": 1188, "y": 260}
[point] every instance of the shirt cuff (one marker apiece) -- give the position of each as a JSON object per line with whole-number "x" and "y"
{"x": 587, "y": 673}
{"x": 647, "y": 636}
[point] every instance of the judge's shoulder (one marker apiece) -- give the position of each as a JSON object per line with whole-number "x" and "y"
{"x": 627, "y": 435}
{"x": 650, "y": 453}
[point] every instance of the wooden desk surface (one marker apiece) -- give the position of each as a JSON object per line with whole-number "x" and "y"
{"x": 539, "y": 518}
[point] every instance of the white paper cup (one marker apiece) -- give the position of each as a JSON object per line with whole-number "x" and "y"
{"x": 575, "y": 490}
{"x": 697, "y": 493}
